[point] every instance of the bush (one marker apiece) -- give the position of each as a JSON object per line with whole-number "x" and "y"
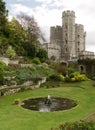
{"x": 42, "y": 54}
{"x": 16, "y": 101}
{"x": 36, "y": 60}
{"x": 79, "y": 77}
{"x": 76, "y": 77}
{"x": 56, "y": 77}
{"x": 45, "y": 64}
{"x": 81, "y": 125}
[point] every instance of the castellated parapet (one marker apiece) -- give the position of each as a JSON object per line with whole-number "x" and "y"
{"x": 55, "y": 34}
{"x": 67, "y": 41}
{"x": 68, "y": 13}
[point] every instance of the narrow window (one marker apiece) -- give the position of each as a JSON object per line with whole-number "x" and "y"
{"x": 78, "y": 49}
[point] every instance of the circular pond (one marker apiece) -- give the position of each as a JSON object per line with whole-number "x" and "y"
{"x": 43, "y": 104}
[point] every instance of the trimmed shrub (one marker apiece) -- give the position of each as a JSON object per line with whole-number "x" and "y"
{"x": 36, "y": 60}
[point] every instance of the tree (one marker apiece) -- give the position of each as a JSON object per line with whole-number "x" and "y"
{"x": 17, "y": 36}
{"x": 33, "y": 33}
{"x": 3, "y": 18}
{"x": 30, "y": 25}
{"x": 3, "y": 44}
{"x": 4, "y": 32}
{"x": 17, "y": 32}
{"x": 42, "y": 54}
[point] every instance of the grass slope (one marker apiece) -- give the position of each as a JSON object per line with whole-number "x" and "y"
{"x": 14, "y": 117}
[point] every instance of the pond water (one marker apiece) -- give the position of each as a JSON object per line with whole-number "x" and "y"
{"x": 43, "y": 104}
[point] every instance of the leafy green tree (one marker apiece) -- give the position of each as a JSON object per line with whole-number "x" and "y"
{"x": 17, "y": 32}
{"x": 3, "y": 18}
{"x": 33, "y": 33}
{"x": 31, "y": 26}
{"x": 17, "y": 36}
{"x": 42, "y": 54}
{"x": 4, "y": 33}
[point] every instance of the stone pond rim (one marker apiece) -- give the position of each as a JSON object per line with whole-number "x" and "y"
{"x": 56, "y": 104}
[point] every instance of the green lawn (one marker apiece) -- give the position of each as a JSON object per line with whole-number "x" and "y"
{"x": 14, "y": 117}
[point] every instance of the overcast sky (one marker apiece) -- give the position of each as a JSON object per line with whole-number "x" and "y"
{"x": 49, "y": 12}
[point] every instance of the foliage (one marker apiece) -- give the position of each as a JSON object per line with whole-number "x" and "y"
{"x": 76, "y": 77}
{"x": 17, "y": 36}
{"x": 22, "y": 75}
{"x": 42, "y": 54}
{"x": 45, "y": 64}
{"x": 61, "y": 68}
{"x": 89, "y": 65}
{"x": 91, "y": 76}
{"x": 16, "y": 101}
{"x": 10, "y": 52}
{"x": 36, "y": 60}
{"x": 80, "y": 77}
{"x": 3, "y": 44}
{"x": 51, "y": 84}
{"x": 28, "y": 49}
{"x": 1, "y": 78}
{"x": 21, "y": 119}
{"x": 33, "y": 33}
{"x": 56, "y": 77}
{"x": 26, "y": 73}
{"x": 86, "y": 61}
{"x": 3, "y": 18}
{"x": 2, "y": 68}
{"x": 16, "y": 30}
{"x": 22, "y": 33}
{"x": 73, "y": 65}
{"x": 30, "y": 25}
{"x": 86, "y": 106}
{"x": 81, "y": 125}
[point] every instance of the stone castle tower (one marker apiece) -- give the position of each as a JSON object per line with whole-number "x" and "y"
{"x": 67, "y": 42}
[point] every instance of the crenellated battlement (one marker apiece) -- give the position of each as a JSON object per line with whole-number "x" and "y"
{"x": 55, "y": 33}
{"x": 68, "y": 40}
{"x": 56, "y": 27}
{"x": 68, "y": 13}
{"x": 79, "y": 26}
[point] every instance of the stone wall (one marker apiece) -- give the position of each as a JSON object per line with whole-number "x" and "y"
{"x": 5, "y": 60}
{"x": 70, "y": 37}
{"x": 86, "y": 54}
{"x": 55, "y": 34}
{"x": 79, "y": 38}
{"x": 7, "y": 90}
{"x": 54, "y": 50}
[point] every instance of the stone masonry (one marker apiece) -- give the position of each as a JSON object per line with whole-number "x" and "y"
{"x": 67, "y": 42}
